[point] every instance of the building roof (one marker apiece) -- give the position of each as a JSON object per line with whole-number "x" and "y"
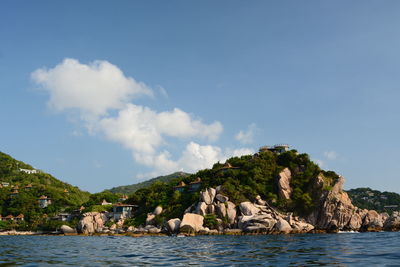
{"x": 196, "y": 181}
{"x": 9, "y": 217}
{"x": 42, "y": 197}
{"x": 181, "y": 184}
{"x": 15, "y": 192}
{"x": 20, "y": 216}
{"x": 29, "y": 186}
{"x": 66, "y": 190}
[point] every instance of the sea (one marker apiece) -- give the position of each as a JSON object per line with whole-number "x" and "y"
{"x": 341, "y": 249}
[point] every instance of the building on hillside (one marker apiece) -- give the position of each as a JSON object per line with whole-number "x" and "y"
{"x": 180, "y": 187}
{"x": 64, "y": 216}
{"x": 123, "y": 211}
{"x": 9, "y": 218}
{"x": 195, "y": 185}
{"x": 44, "y": 201}
{"x": 227, "y": 166}
{"x": 19, "y": 218}
{"x": 5, "y": 184}
{"x": 280, "y": 148}
{"x": 104, "y": 203}
{"x": 122, "y": 198}
{"x": 1, "y": 218}
{"x": 66, "y": 191}
{"x": 14, "y": 193}
{"x": 28, "y": 187}
{"x": 28, "y": 171}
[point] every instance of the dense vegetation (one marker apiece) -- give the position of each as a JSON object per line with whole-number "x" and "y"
{"x": 130, "y": 189}
{"x": 63, "y": 196}
{"x": 366, "y": 198}
{"x": 252, "y": 176}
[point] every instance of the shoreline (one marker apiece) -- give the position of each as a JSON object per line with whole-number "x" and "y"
{"x": 131, "y": 234}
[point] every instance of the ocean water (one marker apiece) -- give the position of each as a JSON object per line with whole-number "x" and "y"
{"x": 344, "y": 249}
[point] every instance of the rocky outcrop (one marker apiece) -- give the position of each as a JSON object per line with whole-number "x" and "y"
{"x": 202, "y": 208}
{"x": 91, "y": 222}
{"x": 282, "y": 226}
{"x": 231, "y": 212}
{"x": 284, "y": 187}
{"x": 335, "y": 211}
{"x": 393, "y": 222}
{"x": 191, "y": 223}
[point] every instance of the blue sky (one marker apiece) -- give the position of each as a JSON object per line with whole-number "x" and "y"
{"x": 105, "y": 93}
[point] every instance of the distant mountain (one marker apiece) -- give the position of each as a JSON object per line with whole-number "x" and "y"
{"x": 366, "y": 198}
{"x": 129, "y": 189}
{"x": 21, "y": 186}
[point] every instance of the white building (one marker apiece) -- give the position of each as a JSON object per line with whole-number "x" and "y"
{"x": 28, "y": 171}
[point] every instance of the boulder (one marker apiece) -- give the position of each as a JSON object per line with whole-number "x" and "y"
{"x": 302, "y": 227}
{"x": 372, "y": 221}
{"x": 131, "y": 229}
{"x": 247, "y": 208}
{"x": 67, "y": 230}
{"x": 284, "y": 187}
{"x": 282, "y": 226}
{"x": 113, "y": 226}
{"x": 208, "y": 195}
{"x": 221, "y": 210}
{"x": 150, "y": 218}
{"x": 259, "y": 201}
{"x": 91, "y": 222}
{"x": 201, "y": 208}
{"x": 211, "y": 209}
{"x": 173, "y": 225}
{"x": 231, "y": 212}
{"x": 157, "y": 210}
{"x": 221, "y": 198}
{"x": 261, "y": 222}
{"x": 191, "y": 222}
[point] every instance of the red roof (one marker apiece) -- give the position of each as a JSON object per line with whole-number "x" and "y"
{"x": 20, "y": 216}
{"x": 43, "y": 197}
{"x": 9, "y": 217}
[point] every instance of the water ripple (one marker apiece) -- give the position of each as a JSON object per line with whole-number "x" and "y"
{"x": 368, "y": 249}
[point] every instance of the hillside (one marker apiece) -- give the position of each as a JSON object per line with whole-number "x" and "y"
{"x": 366, "y": 198}
{"x": 21, "y": 186}
{"x": 129, "y": 189}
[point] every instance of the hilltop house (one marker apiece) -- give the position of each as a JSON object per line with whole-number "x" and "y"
{"x": 28, "y": 171}
{"x": 122, "y": 211}
{"x": 44, "y": 201}
{"x": 180, "y": 187}
{"x": 5, "y": 184}
{"x": 195, "y": 185}
{"x": 227, "y": 166}
{"x": 280, "y": 148}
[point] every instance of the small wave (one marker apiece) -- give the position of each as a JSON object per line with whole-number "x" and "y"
{"x": 348, "y": 232}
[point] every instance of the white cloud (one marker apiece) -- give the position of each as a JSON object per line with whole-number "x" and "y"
{"x": 246, "y": 137}
{"x": 331, "y": 155}
{"x": 91, "y": 88}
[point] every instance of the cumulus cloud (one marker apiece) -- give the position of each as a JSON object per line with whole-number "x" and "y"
{"x": 92, "y": 88}
{"x": 247, "y": 136}
{"x": 95, "y": 89}
{"x": 331, "y": 155}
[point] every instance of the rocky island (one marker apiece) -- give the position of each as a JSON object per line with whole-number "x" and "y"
{"x": 275, "y": 191}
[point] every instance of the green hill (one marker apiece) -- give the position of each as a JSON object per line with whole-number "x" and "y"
{"x": 250, "y": 176}
{"x": 366, "y": 198}
{"x": 21, "y": 186}
{"x": 129, "y": 189}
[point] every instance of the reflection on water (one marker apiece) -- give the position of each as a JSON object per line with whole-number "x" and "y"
{"x": 306, "y": 249}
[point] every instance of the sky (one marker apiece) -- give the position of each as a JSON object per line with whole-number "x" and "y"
{"x": 109, "y": 93}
